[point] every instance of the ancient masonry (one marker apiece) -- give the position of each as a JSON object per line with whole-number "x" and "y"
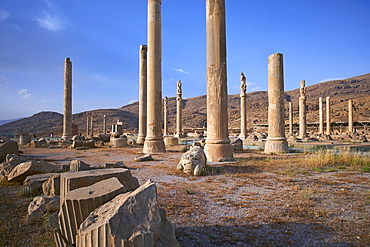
{"x": 67, "y": 117}
{"x": 302, "y": 110}
{"x": 243, "y": 107}
{"x": 92, "y": 127}
{"x": 290, "y": 118}
{"x": 154, "y": 140}
{"x": 142, "y": 94}
{"x": 218, "y": 147}
{"x": 87, "y": 126}
{"x": 328, "y": 130}
{"x": 105, "y": 124}
{"x": 321, "y": 117}
{"x": 276, "y": 140}
{"x": 165, "y": 116}
{"x": 350, "y": 116}
{"x": 179, "y": 110}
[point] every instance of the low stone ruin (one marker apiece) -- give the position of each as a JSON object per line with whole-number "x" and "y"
{"x": 193, "y": 162}
{"x": 9, "y": 147}
{"x": 237, "y": 145}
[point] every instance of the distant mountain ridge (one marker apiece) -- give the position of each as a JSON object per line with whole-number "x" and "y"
{"x": 9, "y": 120}
{"x": 195, "y": 109}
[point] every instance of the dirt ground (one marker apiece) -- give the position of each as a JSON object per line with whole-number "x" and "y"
{"x": 258, "y": 200}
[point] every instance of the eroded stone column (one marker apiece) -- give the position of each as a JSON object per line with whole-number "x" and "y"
{"x": 302, "y": 110}
{"x": 276, "y": 140}
{"x": 179, "y": 110}
{"x": 87, "y": 126}
{"x": 105, "y": 124}
{"x": 165, "y": 116}
{"x": 321, "y": 117}
{"x": 290, "y": 118}
{"x": 328, "y": 130}
{"x": 67, "y": 117}
{"x": 142, "y": 94}
{"x": 243, "y": 107}
{"x": 92, "y": 127}
{"x": 217, "y": 146}
{"x": 154, "y": 140}
{"x": 350, "y": 116}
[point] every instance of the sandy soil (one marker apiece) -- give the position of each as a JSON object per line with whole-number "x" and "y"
{"x": 249, "y": 202}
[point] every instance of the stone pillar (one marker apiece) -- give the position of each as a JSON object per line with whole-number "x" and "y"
{"x": 179, "y": 110}
{"x": 276, "y": 140}
{"x": 67, "y": 117}
{"x": 321, "y": 117}
{"x": 87, "y": 126}
{"x": 165, "y": 116}
{"x": 154, "y": 140}
{"x": 92, "y": 127}
{"x": 290, "y": 118}
{"x": 302, "y": 110}
{"x": 218, "y": 147}
{"x": 243, "y": 107}
{"x": 105, "y": 124}
{"x": 328, "y": 130}
{"x": 142, "y": 94}
{"x": 350, "y": 116}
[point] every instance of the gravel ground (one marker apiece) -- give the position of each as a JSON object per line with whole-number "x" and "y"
{"x": 241, "y": 203}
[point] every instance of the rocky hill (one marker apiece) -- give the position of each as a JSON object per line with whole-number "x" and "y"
{"x": 195, "y": 109}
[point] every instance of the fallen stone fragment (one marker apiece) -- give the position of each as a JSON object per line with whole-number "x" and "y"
{"x": 193, "y": 161}
{"x": 32, "y": 167}
{"x": 146, "y": 157}
{"x": 237, "y": 144}
{"x": 78, "y": 165}
{"x": 32, "y": 185}
{"x": 11, "y": 162}
{"x": 51, "y": 187}
{"x": 118, "y": 142}
{"x": 118, "y": 164}
{"x": 42, "y": 204}
{"x": 9, "y": 147}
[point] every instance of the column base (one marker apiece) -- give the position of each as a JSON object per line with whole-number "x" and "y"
{"x": 140, "y": 140}
{"x": 218, "y": 152}
{"x": 276, "y": 145}
{"x": 152, "y": 146}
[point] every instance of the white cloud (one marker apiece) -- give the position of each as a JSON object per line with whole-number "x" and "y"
{"x": 23, "y": 94}
{"x": 255, "y": 89}
{"x": 23, "y": 91}
{"x": 332, "y": 79}
{"x": 45, "y": 100}
{"x": 51, "y": 22}
{"x": 181, "y": 70}
{"x": 3, "y": 82}
{"x": 4, "y": 14}
{"x": 132, "y": 101}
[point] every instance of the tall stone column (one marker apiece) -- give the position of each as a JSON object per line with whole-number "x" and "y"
{"x": 290, "y": 118}
{"x": 87, "y": 127}
{"x": 154, "y": 140}
{"x": 350, "y": 116}
{"x": 92, "y": 127}
{"x": 328, "y": 130}
{"x": 142, "y": 94}
{"x": 105, "y": 124}
{"x": 165, "y": 116}
{"x": 321, "y": 117}
{"x": 218, "y": 147}
{"x": 276, "y": 140}
{"x": 67, "y": 117}
{"x": 179, "y": 110}
{"x": 243, "y": 107}
{"x": 302, "y": 110}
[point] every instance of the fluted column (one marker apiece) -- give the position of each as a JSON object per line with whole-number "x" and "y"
{"x": 165, "y": 116}
{"x": 290, "y": 118}
{"x": 179, "y": 110}
{"x": 243, "y": 107}
{"x": 87, "y": 127}
{"x": 350, "y": 116}
{"x": 154, "y": 140}
{"x": 302, "y": 110}
{"x": 142, "y": 94}
{"x": 276, "y": 140}
{"x": 217, "y": 146}
{"x": 105, "y": 124}
{"x": 67, "y": 117}
{"x": 328, "y": 120}
{"x": 92, "y": 127}
{"x": 321, "y": 117}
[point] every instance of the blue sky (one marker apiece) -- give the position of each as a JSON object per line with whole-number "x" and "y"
{"x": 320, "y": 40}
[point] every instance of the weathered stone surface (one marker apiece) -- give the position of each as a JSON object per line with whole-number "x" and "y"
{"x": 11, "y": 162}
{"x": 118, "y": 142}
{"x": 79, "y": 203}
{"x": 324, "y": 138}
{"x": 9, "y": 147}
{"x": 32, "y": 185}
{"x": 67, "y": 116}
{"x": 78, "y": 165}
{"x": 237, "y": 144}
{"x": 32, "y": 167}
{"x": 252, "y": 137}
{"x": 171, "y": 141}
{"x": 77, "y": 143}
{"x": 193, "y": 161}
{"x": 358, "y": 138}
{"x": 292, "y": 138}
{"x": 118, "y": 164}
{"x": 146, "y": 157}
{"x": 89, "y": 144}
{"x": 51, "y": 187}
{"x": 105, "y": 137}
{"x": 39, "y": 143}
{"x": 74, "y": 180}
{"x": 131, "y": 219}
{"x": 41, "y": 205}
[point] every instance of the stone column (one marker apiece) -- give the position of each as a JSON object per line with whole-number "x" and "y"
{"x": 179, "y": 110}
{"x": 321, "y": 117}
{"x": 92, "y": 127}
{"x": 142, "y": 94}
{"x": 87, "y": 127}
{"x": 302, "y": 110}
{"x": 154, "y": 140}
{"x": 67, "y": 117}
{"x": 165, "y": 116}
{"x": 105, "y": 124}
{"x": 276, "y": 140}
{"x": 350, "y": 116}
{"x": 290, "y": 118}
{"x": 218, "y": 147}
{"x": 328, "y": 130}
{"x": 243, "y": 107}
